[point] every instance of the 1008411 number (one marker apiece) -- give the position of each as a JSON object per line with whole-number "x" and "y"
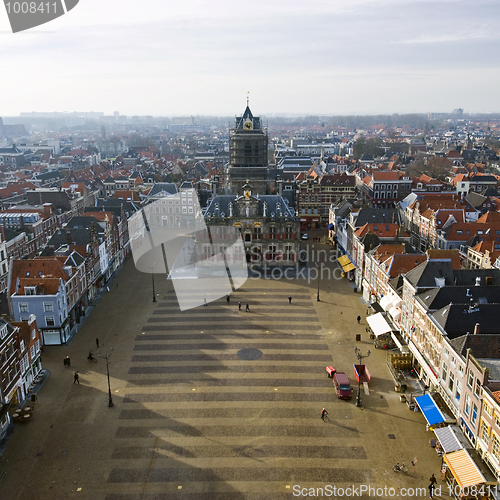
{"x": 481, "y": 490}
{"x": 31, "y": 7}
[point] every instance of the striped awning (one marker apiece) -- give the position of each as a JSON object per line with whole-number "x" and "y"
{"x": 448, "y": 439}
{"x": 346, "y": 264}
{"x": 463, "y": 468}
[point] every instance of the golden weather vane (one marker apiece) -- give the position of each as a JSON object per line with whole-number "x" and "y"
{"x": 248, "y": 97}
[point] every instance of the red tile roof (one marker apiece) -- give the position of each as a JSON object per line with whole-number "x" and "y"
{"x": 402, "y": 263}
{"x": 44, "y": 273}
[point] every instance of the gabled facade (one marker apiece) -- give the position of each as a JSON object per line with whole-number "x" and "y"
{"x": 10, "y": 375}
{"x": 38, "y": 287}
{"x": 29, "y": 346}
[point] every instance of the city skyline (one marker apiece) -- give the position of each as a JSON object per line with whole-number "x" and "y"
{"x": 327, "y": 58}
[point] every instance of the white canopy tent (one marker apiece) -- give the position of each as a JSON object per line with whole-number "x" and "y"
{"x": 378, "y": 324}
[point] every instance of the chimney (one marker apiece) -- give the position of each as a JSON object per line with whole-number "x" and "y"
{"x": 476, "y": 329}
{"x": 47, "y": 209}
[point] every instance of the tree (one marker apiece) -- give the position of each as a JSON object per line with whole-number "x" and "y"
{"x": 371, "y": 147}
{"x": 436, "y": 167}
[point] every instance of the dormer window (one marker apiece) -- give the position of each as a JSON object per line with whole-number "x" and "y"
{"x": 30, "y": 290}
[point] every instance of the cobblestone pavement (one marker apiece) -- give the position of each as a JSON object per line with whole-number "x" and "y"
{"x": 215, "y": 403}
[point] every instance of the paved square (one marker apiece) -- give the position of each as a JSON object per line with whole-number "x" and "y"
{"x": 215, "y": 403}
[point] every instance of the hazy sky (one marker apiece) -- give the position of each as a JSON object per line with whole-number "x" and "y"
{"x": 163, "y": 57}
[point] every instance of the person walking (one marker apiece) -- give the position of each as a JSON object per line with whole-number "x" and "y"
{"x": 239, "y": 306}
{"x": 76, "y": 379}
{"x": 67, "y": 361}
{"x": 228, "y": 298}
{"x": 323, "y": 414}
{"x": 97, "y": 342}
{"x": 204, "y": 302}
{"x": 247, "y": 309}
{"x": 432, "y": 485}
{"x": 359, "y": 319}
{"x": 289, "y": 299}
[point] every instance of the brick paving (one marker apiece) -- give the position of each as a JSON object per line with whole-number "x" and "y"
{"x": 199, "y": 414}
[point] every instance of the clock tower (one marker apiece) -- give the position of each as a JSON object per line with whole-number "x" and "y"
{"x": 248, "y": 143}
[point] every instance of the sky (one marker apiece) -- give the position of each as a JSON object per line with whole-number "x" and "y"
{"x": 194, "y": 57}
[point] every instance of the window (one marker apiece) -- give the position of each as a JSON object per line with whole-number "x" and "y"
{"x": 32, "y": 352}
{"x": 30, "y": 290}
{"x": 467, "y": 405}
{"x": 470, "y": 380}
{"x": 48, "y": 306}
{"x": 477, "y": 391}
{"x": 451, "y": 382}
{"x": 33, "y": 334}
{"x": 49, "y": 321}
{"x": 445, "y": 370}
{"x": 21, "y": 344}
{"x": 23, "y": 307}
{"x": 495, "y": 449}
{"x": 485, "y": 432}
{"x": 474, "y": 413}
{"x": 488, "y": 409}
{"x": 37, "y": 346}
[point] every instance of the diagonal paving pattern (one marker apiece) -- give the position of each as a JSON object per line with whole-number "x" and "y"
{"x": 192, "y": 398}
{"x": 214, "y": 403}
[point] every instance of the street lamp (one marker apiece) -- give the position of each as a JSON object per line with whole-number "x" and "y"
{"x": 360, "y": 358}
{"x": 317, "y": 295}
{"x": 106, "y": 357}
{"x": 153, "y": 278}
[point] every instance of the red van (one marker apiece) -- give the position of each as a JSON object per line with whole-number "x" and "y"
{"x": 342, "y": 385}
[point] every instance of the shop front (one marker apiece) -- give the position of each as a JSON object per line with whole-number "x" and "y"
{"x": 466, "y": 479}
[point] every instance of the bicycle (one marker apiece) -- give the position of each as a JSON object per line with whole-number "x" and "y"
{"x": 403, "y": 467}
{"x": 91, "y": 357}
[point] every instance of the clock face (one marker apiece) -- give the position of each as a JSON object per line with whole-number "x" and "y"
{"x": 248, "y": 125}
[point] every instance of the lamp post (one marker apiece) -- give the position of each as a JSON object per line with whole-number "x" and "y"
{"x": 153, "y": 278}
{"x": 317, "y": 295}
{"x": 360, "y": 358}
{"x": 106, "y": 357}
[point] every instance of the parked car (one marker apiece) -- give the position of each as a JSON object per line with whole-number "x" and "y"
{"x": 342, "y": 385}
{"x": 305, "y": 236}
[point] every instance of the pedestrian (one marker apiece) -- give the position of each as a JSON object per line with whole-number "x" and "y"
{"x": 323, "y": 414}
{"x": 97, "y": 342}
{"x": 432, "y": 485}
{"x": 358, "y": 318}
{"x": 67, "y": 361}
{"x": 247, "y": 308}
{"x": 228, "y": 298}
{"x": 117, "y": 284}
{"x": 239, "y": 306}
{"x": 289, "y": 299}
{"x": 204, "y": 302}
{"x": 76, "y": 379}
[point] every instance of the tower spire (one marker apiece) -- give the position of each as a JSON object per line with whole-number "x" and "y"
{"x": 248, "y": 97}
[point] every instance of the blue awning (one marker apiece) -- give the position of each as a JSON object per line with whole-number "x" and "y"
{"x": 430, "y": 410}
